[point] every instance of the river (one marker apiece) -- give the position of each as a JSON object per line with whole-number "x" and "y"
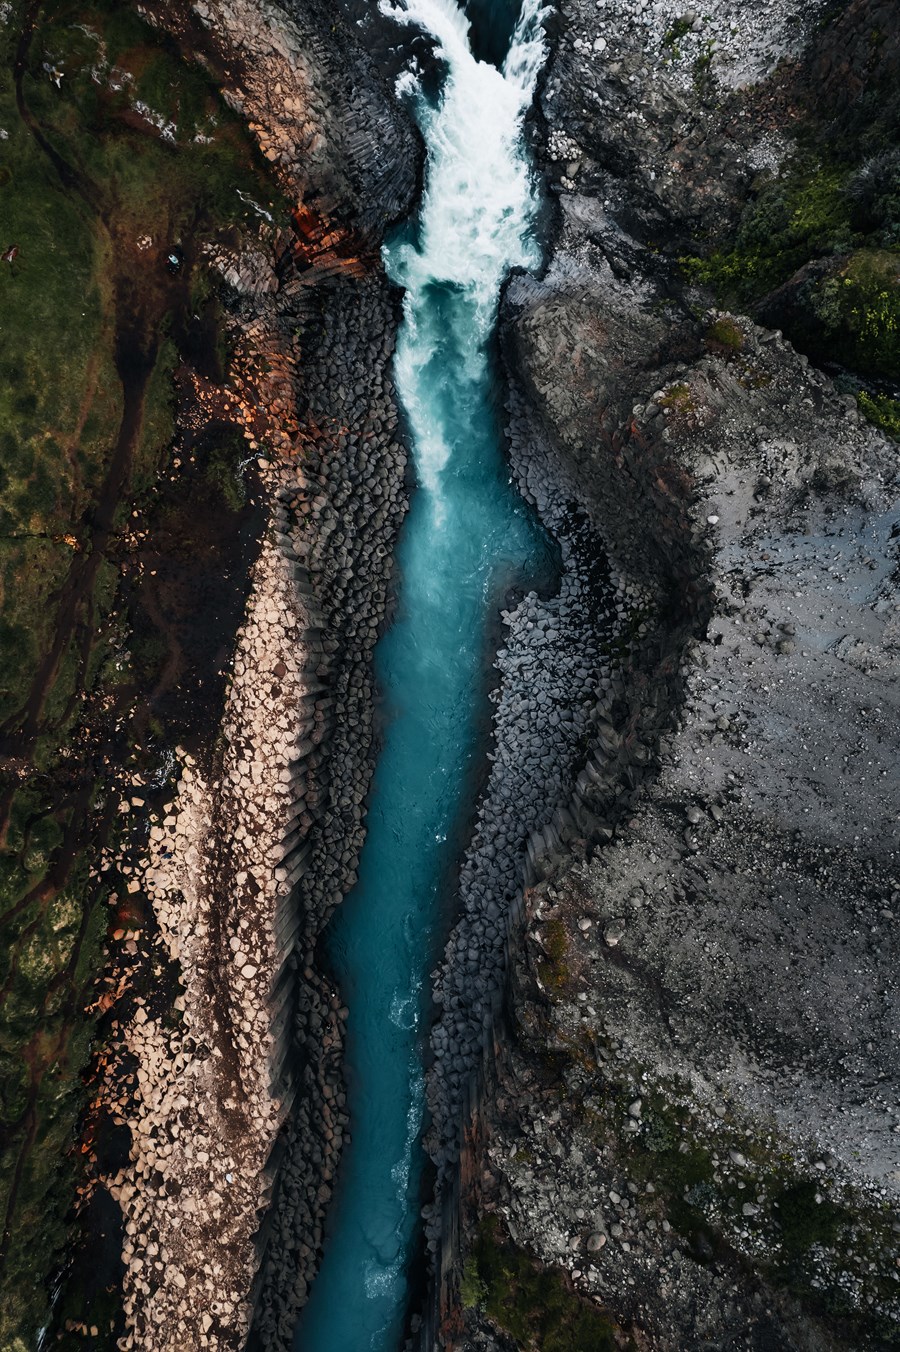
{"x": 467, "y": 539}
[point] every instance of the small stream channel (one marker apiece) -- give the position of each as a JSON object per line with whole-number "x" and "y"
{"x": 467, "y": 539}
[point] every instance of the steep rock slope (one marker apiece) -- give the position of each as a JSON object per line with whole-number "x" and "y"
{"x": 694, "y": 1110}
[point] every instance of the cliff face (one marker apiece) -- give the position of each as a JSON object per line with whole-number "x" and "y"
{"x": 215, "y": 1089}
{"x": 320, "y": 111}
{"x": 693, "y": 1110}
{"x": 239, "y": 1113}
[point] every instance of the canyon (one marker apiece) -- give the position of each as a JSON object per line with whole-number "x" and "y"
{"x": 516, "y": 962}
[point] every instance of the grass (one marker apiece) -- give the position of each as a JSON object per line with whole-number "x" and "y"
{"x": 680, "y": 402}
{"x": 673, "y": 35}
{"x": 856, "y": 314}
{"x": 802, "y": 214}
{"x": 532, "y": 1304}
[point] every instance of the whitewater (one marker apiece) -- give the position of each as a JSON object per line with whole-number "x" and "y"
{"x": 467, "y": 540}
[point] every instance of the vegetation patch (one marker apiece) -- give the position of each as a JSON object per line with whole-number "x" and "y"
{"x": 683, "y": 406}
{"x": 802, "y": 214}
{"x": 555, "y": 968}
{"x": 734, "y": 1193}
{"x": 119, "y": 163}
{"x": 816, "y": 251}
{"x": 531, "y": 1303}
{"x": 855, "y": 314}
{"x": 881, "y": 410}
{"x": 724, "y": 336}
{"x": 673, "y": 35}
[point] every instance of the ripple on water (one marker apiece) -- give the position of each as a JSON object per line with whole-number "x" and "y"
{"x": 466, "y": 539}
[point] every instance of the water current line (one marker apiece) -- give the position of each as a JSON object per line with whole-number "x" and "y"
{"x": 467, "y": 538}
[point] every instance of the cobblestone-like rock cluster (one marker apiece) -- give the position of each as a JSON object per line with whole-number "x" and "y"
{"x": 557, "y": 670}
{"x": 259, "y": 847}
{"x": 238, "y": 1115}
{"x": 210, "y": 1092}
{"x": 348, "y": 510}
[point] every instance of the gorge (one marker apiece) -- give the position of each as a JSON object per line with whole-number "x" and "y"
{"x": 466, "y": 542}
{"x": 448, "y": 748}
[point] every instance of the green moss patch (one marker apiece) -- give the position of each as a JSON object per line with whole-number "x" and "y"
{"x": 724, "y": 335}
{"x": 804, "y": 213}
{"x": 854, "y": 313}
{"x": 533, "y": 1304}
{"x": 881, "y": 410}
{"x": 555, "y": 969}
{"x": 816, "y": 251}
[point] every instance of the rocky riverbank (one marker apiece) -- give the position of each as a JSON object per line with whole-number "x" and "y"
{"x": 233, "y": 1098}
{"x": 693, "y": 1111}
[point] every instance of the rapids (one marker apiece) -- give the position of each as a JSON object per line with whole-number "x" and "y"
{"x": 468, "y": 538}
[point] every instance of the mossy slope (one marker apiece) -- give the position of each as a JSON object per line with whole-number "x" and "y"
{"x": 116, "y": 152}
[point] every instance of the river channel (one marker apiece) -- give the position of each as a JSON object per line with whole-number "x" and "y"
{"x": 468, "y": 539}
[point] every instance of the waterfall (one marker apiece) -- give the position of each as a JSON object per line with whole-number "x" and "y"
{"x": 466, "y": 539}
{"x": 476, "y": 216}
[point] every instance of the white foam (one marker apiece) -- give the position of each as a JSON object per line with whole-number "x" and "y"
{"x": 479, "y": 200}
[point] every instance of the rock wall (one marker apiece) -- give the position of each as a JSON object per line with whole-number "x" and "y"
{"x": 347, "y": 511}
{"x": 238, "y": 1115}
{"x": 694, "y": 979}
{"x": 858, "y": 56}
{"x": 323, "y": 116}
{"x": 690, "y": 1111}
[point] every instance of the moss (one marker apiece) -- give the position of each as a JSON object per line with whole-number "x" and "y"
{"x": 472, "y": 1290}
{"x": 838, "y": 195}
{"x": 555, "y": 970}
{"x": 881, "y": 410}
{"x": 725, "y": 335}
{"x": 856, "y": 311}
{"x": 804, "y": 1221}
{"x": 800, "y": 1218}
{"x": 158, "y": 424}
{"x": 702, "y": 72}
{"x": 804, "y": 213}
{"x": 61, "y": 398}
{"x": 673, "y": 35}
{"x": 679, "y": 400}
{"x": 223, "y": 472}
{"x": 533, "y": 1304}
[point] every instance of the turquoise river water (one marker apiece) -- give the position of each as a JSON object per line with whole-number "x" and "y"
{"x": 466, "y": 540}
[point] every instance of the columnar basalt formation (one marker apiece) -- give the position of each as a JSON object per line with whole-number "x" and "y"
{"x": 236, "y": 1111}
{"x": 211, "y": 1090}
{"x": 353, "y": 473}
{"x": 315, "y": 103}
{"x": 692, "y": 1111}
